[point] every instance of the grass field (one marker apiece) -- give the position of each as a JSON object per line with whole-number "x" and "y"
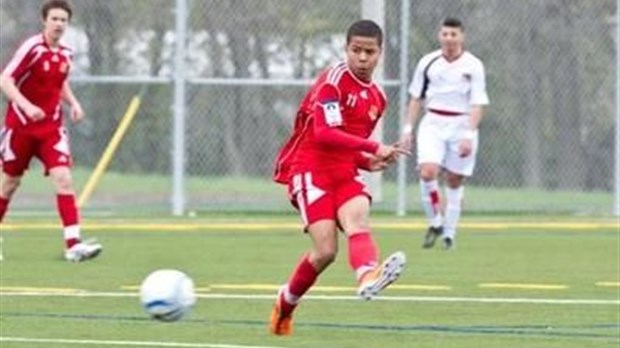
{"x": 510, "y": 283}
{"x": 131, "y": 194}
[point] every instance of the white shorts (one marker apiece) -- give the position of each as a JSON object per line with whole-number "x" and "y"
{"x": 438, "y": 142}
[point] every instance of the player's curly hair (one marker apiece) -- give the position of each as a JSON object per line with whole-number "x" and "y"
{"x": 53, "y": 4}
{"x": 365, "y": 28}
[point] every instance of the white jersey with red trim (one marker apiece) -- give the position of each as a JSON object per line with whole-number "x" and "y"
{"x": 450, "y": 86}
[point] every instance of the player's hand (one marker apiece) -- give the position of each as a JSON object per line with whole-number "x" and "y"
{"x": 34, "y": 112}
{"x": 465, "y": 147}
{"x": 406, "y": 140}
{"x": 77, "y": 113}
{"x": 377, "y": 163}
{"x": 391, "y": 152}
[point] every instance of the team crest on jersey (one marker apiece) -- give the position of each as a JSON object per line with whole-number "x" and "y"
{"x": 364, "y": 94}
{"x": 55, "y": 58}
{"x": 373, "y": 113}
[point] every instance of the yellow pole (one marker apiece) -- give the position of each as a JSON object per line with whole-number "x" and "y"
{"x": 94, "y": 178}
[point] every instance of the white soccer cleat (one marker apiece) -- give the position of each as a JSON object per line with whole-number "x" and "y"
{"x": 382, "y": 276}
{"x": 83, "y": 251}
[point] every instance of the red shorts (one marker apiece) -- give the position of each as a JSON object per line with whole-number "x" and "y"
{"x": 17, "y": 147}
{"x": 319, "y": 195}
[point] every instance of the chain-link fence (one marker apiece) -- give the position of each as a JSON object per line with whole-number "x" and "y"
{"x": 547, "y": 140}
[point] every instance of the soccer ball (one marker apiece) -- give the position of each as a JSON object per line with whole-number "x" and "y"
{"x": 167, "y": 294}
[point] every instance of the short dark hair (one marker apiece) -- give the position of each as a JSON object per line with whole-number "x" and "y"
{"x": 53, "y": 4}
{"x": 453, "y": 22}
{"x": 365, "y": 28}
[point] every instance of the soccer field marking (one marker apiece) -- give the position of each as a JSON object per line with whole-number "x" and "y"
{"x": 549, "y": 331}
{"x": 523, "y": 286}
{"x": 391, "y": 298}
{"x": 263, "y": 226}
{"x": 608, "y": 284}
{"x": 38, "y": 289}
{"x": 48, "y": 341}
{"x": 319, "y": 288}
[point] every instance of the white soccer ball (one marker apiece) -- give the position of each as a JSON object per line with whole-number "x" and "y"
{"x": 167, "y": 294}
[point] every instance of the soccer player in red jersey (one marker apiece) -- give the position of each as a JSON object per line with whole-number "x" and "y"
{"x": 35, "y": 83}
{"x": 320, "y": 164}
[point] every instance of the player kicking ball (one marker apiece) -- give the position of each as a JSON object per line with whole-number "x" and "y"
{"x": 321, "y": 165}
{"x": 35, "y": 82}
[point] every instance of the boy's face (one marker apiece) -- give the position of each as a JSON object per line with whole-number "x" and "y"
{"x": 55, "y": 23}
{"x": 363, "y": 54}
{"x": 451, "y": 38}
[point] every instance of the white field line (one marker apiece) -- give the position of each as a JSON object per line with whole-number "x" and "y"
{"x": 48, "y": 341}
{"x": 555, "y": 301}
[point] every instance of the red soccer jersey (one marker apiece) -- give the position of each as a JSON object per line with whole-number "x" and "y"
{"x": 39, "y": 72}
{"x": 332, "y": 125}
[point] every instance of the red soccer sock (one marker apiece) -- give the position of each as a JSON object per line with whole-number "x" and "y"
{"x": 301, "y": 280}
{"x": 363, "y": 252}
{"x": 67, "y": 209}
{"x": 4, "y": 205}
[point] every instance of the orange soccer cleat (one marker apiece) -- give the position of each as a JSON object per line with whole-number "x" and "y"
{"x": 372, "y": 282}
{"x": 280, "y": 325}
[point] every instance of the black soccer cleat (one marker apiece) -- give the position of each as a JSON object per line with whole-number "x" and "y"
{"x": 448, "y": 243}
{"x": 431, "y": 236}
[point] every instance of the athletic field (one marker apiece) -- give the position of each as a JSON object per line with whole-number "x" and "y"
{"x": 512, "y": 282}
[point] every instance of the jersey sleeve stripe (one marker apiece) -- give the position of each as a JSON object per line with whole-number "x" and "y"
{"x": 426, "y": 78}
{"x": 21, "y": 54}
{"x": 336, "y": 73}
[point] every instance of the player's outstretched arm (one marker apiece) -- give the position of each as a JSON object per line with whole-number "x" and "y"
{"x": 328, "y": 120}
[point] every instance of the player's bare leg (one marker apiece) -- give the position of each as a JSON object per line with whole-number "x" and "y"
{"x": 76, "y": 250}
{"x": 325, "y": 246}
{"x": 8, "y": 186}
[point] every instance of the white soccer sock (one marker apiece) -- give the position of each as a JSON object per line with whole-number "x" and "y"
{"x": 72, "y": 232}
{"x": 432, "y": 210}
{"x": 454, "y": 199}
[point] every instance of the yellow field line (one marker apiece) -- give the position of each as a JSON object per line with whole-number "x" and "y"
{"x": 270, "y": 226}
{"x": 524, "y": 286}
{"x": 37, "y": 289}
{"x": 275, "y": 287}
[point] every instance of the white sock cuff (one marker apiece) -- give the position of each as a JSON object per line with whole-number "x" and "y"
{"x": 72, "y": 231}
{"x": 290, "y": 298}
{"x": 454, "y": 196}
{"x": 428, "y": 186}
{"x": 363, "y": 270}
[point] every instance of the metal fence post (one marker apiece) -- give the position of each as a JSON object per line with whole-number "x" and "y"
{"x": 401, "y": 205}
{"x": 178, "y": 124}
{"x": 375, "y": 10}
{"x": 617, "y": 151}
